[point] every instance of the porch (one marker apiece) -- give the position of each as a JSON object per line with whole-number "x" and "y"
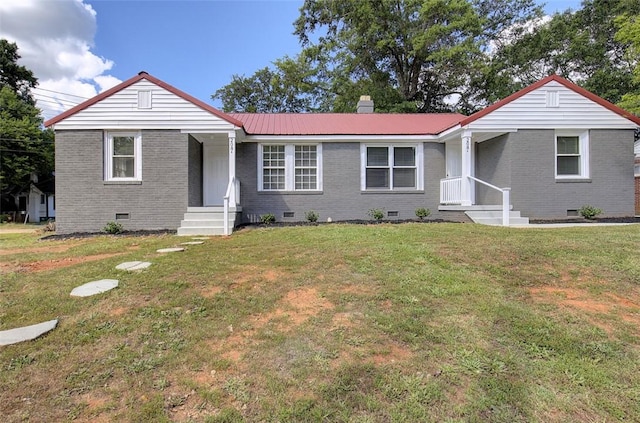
{"x": 214, "y": 190}
{"x": 458, "y": 189}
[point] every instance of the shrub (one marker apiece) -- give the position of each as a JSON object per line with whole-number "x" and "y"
{"x": 376, "y": 214}
{"x": 4, "y": 218}
{"x": 113, "y": 228}
{"x": 312, "y": 216}
{"x": 589, "y": 212}
{"x": 421, "y": 212}
{"x": 268, "y": 218}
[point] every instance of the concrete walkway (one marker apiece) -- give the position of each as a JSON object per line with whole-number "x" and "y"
{"x": 569, "y": 225}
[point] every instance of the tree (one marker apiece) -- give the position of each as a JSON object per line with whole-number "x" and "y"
{"x": 409, "y": 55}
{"x": 629, "y": 33}
{"x": 426, "y": 50}
{"x": 25, "y": 148}
{"x": 292, "y": 86}
{"x": 18, "y": 78}
{"x": 581, "y": 46}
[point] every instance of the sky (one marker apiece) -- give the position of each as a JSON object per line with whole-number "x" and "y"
{"x": 79, "y": 48}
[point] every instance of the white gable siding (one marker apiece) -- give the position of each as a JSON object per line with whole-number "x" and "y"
{"x": 167, "y": 111}
{"x": 573, "y": 111}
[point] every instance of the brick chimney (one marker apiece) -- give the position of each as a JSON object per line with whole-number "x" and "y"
{"x": 365, "y": 104}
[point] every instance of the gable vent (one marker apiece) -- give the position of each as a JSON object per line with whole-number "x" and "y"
{"x": 144, "y": 99}
{"x": 553, "y": 99}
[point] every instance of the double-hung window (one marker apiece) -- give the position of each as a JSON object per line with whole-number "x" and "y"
{"x": 572, "y": 155}
{"x": 123, "y": 156}
{"x": 392, "y": 167}
{"x": 290, "y": 167}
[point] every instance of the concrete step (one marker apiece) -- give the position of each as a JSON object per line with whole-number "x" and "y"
{"x": 200, "y": 230}
{"x": 209, "y": 223}
{"x": 494, "y": 217}
{"x": 206, "y": 216}
{"x": 498, "y": 221}
{"x": 490, "y": 213}
{"x": 213, "y": 209}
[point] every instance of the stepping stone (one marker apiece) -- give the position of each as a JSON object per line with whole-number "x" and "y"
{"x": 26, "y": 333}
{"x": 132, "y": 266}
{"x": 170, "y": 250}
{"x": 200, "y": 238}
{"x": 93, "y": 288}
{"x": 192, "y": 243}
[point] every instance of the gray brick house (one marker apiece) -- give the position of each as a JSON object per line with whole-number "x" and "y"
{"x": 150, "y": 156}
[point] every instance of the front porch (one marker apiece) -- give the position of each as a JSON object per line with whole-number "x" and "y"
{"x": 458, "y": 189}
{"x": 214, "y": 190}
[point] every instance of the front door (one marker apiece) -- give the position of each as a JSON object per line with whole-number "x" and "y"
{"x": 215, "y": 173}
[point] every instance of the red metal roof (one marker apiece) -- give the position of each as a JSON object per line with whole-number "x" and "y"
{"x": 346, "y": 123}
{"x": 570, "y": 85}
{"x": 133, "y": 80}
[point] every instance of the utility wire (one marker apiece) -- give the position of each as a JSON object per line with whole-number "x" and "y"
{"x": 58, "y": 92}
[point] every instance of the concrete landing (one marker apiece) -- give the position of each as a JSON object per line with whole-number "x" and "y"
{"x": 95, "y": 287}
{"x": 132, "y": 266}
{"x": 192, "y": 243}
{"x": 26, "y": 333}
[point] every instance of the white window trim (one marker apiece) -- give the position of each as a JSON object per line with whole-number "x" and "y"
{"x": 583, "y": 145}
{"x": 419, "y": 148}
{"x": 108, "y": 155}
{"x": 289, "y": 167}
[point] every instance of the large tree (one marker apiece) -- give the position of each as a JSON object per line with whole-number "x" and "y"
{"x": 25, "y": 148}
{"x": 629, "y": 34}
{"x": 579, "y": 45}
{"x": 428, "y": 51}
{"x": 409, "y": 55}
{"x": 291, "y": 85}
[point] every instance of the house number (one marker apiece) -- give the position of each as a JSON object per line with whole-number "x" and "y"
{"x": 467, "y": 145}
{"x": 231, "y": 145}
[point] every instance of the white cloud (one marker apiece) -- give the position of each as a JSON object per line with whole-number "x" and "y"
{"x": 54, "y": 41}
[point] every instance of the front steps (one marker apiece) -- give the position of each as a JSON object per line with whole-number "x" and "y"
{"x": 207, "y": 220}
{"x": 492, "y": 215}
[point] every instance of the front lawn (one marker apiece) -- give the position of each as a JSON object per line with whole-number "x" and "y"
{"x": 334, "y": 323}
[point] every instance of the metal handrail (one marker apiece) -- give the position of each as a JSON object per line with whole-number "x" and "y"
{"x": 506, "y": 200}
{"x": 230, "y": 191}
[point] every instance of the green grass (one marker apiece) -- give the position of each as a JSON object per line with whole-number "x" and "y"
{"x": 331, "y": 323}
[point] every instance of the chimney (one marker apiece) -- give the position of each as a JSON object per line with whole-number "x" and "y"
{"x": 365, "y": 105}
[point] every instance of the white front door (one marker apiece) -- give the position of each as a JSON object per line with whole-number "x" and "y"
{"x": 215, "y": 173}
{"x": 453, "y": 156}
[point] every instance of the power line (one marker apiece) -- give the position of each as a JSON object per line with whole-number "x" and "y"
{"x": 58, "y": 92}
{"x": 58, "y": 98}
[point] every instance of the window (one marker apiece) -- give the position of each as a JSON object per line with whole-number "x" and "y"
{"x": 636, "y": 167}
{"x": 42, "y": 199}
{"x": 392, "y": 167}
{"x": 123, "y": 156}
{"x": 572, "y": 155}
{"x": 289, "y": 167}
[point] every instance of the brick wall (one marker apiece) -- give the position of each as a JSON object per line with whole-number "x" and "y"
{"x": 85, "y": 202}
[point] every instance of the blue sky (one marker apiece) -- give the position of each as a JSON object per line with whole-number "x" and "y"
{"x": 82, "y": 47}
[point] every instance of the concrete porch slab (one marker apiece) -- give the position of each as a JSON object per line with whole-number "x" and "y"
{"x": 26, "y": 333}
{"x": 93, "y": 288}
{"x": 192, "y": 243}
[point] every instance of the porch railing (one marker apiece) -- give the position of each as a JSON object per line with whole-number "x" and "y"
{"x": 451, "y": 190}
{"x": 506, "y": 199}
{"x": 451, "y": 193}
{"x": 231, "y": 197}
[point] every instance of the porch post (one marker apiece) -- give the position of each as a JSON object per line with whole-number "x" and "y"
{"x": 466, "y": 169}
{"x": 232, "y": 164}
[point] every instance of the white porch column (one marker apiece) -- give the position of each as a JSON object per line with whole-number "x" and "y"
{"x": 466, "y": 169}
{"x": 232, "y": 164}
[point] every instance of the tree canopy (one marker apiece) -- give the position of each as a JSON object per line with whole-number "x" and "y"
{"x": 443, "y": 55}
{"x": 25, "y": 147}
